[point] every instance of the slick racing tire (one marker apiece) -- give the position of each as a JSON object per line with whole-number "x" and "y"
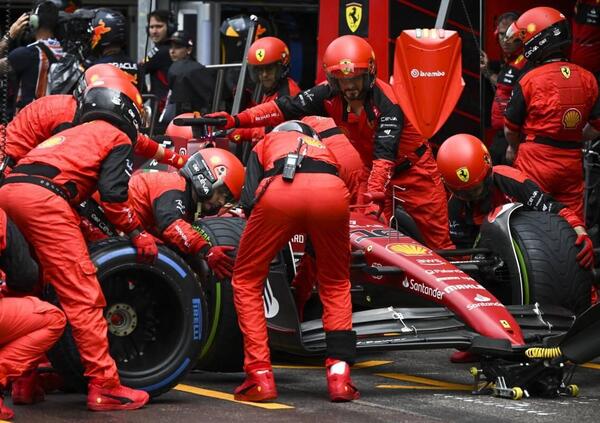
{"x": 156, "y": 315}
{"x": 546, "y": 252}
{"x": 223, "y": 350}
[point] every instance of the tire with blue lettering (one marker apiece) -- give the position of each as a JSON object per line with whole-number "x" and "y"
{"x": 156, "y": 316}
{"x": 223, "y": 349}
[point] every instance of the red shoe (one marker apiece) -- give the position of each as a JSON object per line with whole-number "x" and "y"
{"x": 339, "y": 383}
{"x": 5, "y": 412}
{"x": 27, "y": 389}
{"x": 258, "y": 386}
{"x": 116, "y": 397}
{"x": 464, "y": 357}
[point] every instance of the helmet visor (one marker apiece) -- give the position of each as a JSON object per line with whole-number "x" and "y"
{"x": 513, "y": 34}
{"x": 471, "y": 194}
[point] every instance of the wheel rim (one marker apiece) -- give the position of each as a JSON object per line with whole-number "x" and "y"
{"x": 141, "y": 312}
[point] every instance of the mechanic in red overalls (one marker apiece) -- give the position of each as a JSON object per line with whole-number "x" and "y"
{"x": 28, "y": 326}
{"x": 51, "y": 114}
{"x": 269, "y": 66}
{"x": 166, "y": 203}
{"x": 586, "y": 35}
{"x": 60, "y": 173}
{"x": 513, "y": 65}
{"x": 478, "y": 188}
{"x": 365, "y": 108}
{"x": 280, "y": 204}
{"x": 549, "y": 107}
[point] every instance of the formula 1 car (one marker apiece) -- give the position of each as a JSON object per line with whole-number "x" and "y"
{"x": 166, "y": 318}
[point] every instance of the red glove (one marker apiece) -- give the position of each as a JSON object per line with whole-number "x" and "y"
{"x": 231, "y": 121}
{"x": 219, "y": 262}
{"x": 174, "y": 159}
{"x": 146, "y": 246}
{"x": 585, "y": 257}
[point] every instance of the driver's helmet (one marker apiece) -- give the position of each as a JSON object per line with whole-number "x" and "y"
{"x": 110, "y": 27}
{"x": 297, "y": 126}
{"x": 544, "y": 31}
{"x": 269, "y": 51}
{"x": 117, "y": 102}
{"x": 215, "y": 169}
{"x": 465, "y": 164}
{"x": 349, "y": 56}
{"x": 100, "y": 75}
{"x": 183, "y": 132}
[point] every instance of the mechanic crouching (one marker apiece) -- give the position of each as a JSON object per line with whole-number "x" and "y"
{"x": 292, "y": 187}
{"x": 478, "y": 188}
{"x": 166, "y": 203}
{"x": 39, "y": 196}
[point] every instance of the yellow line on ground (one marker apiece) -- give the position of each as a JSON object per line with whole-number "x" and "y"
{"x": 424, "y": 380}
{"x": 228, "y": 397}
{"x": 424, "y": 387}
{"x": 591, "y": 366}
{"x": 360, "y": 365}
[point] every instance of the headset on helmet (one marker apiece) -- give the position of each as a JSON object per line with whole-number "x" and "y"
{"x": 163, "y": 16}
{"x": 349, "y": 56}
{"x": 269, "y": 51}
{"x": 110, "y": 27}
{"x": 44, "y": 15}
{"x": 464, "y": 162}
{"x": 214, "y": 169}
{"x": 544, "y": 31}
{"x": 116, "y": 101}
{"x": 99, "y": 75}
{"x": 297, "y": 126}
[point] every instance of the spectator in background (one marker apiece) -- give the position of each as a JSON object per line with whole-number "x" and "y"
{"x": 190, "y": 83}
{"x": 158, "y": 61}
{"x": 31, "y": 63}
{"x": 502, "y": 76}
{"x": 12, "y": 33}
{"x": 585, "y": 26}
{"x": 109, "y": 39}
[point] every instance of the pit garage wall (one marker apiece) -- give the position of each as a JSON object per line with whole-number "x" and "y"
{"x": 383, "y": 20}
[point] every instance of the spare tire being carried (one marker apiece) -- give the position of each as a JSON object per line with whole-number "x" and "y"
{"x": 156, "y": 317}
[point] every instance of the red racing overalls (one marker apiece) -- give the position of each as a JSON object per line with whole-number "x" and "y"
{"x": 388, "y": 144}
{"x": 316, "y": 203}
{"x": 60, "y": 173}
{"x": 550, "y": 106}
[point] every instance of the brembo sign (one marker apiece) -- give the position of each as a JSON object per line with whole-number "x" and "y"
{"x": 417, "y": 73}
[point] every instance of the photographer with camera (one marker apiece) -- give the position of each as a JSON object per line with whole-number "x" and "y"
{"x": 31, "y": 63}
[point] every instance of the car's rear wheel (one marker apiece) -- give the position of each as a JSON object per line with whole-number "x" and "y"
{"x": 156, "y": 316}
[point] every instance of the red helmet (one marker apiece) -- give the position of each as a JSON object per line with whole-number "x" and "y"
{"x": 543, "y": 30}
{"x": 349, "y": 56}
{"x": 118, "y": 102}
{"x": 269, "y": 51}
{"x": 100, "y": 75}
{"x": 464, "y": 162}
{"x": 213, "y": 169}
{"x": 184, "y": 132}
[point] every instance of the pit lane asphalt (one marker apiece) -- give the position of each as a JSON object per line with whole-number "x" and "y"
{"x": 406, "y": 386}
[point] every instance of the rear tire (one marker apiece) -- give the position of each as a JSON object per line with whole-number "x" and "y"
{"x": 223, "y": 350}
{"x": 156, "y": 316}
{"x": 545, "y": 245}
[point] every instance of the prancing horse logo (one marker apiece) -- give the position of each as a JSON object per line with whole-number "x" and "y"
{"x": 353, "y": 15}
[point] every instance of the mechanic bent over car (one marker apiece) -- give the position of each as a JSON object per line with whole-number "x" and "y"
{"x": 292, "y": 187}
{"x": 549, "y": 107}
{"x": 48, "y": 115}
{"x": 166, "y": 203}
{"x": 59, "y": 174}
{"x": 478, "y": 188}
{"x": 365, "y": 108}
